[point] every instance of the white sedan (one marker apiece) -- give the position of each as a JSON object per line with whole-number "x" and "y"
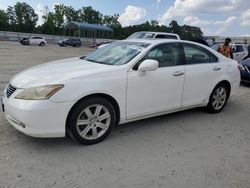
{"x": 122, "y": 82}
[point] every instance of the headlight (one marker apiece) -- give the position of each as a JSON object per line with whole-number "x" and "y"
{"x": 39, "y": 93}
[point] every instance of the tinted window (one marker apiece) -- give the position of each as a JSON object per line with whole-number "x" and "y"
{"x": 166, "y": 54}
{"x": 239, "y": 48}
{"x": 161, "y": 36}
{"x": 36, "y": 37}
{"x": 197, "y": 55}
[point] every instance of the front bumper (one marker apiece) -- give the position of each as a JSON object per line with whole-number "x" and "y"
{"x": 41, "y": 118}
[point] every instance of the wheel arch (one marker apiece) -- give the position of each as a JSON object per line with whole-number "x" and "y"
{"x": 227, "y": 84}
{"x": 100, "y": 95}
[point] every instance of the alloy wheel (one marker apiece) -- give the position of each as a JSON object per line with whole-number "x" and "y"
{"x": 219, "y": 98}
{"x": 93, "y": 122}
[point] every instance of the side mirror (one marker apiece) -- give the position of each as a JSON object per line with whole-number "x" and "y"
{"x": 148, "y": 65}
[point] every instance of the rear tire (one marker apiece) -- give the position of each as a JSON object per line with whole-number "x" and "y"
{"x": 218, "y": 98}
{"x": 91, "y": 120}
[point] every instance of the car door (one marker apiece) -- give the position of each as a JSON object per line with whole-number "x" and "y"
{"x": 202, "y": 70}
{"x": 69, "y": 42}
{"x": 32, "y": 40}
{"x": 238, "y": 53}
{"x": 158, "y": 90}
{"x": 39, "y": 40}
{"x": 73, "y": 42}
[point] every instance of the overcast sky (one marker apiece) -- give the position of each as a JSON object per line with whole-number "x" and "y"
{"x": 214, "y": 17}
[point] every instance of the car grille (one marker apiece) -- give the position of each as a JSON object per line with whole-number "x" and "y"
{"x": 10, "y": 90}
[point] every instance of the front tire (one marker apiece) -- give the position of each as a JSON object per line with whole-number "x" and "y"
{"x": 218, "y": 98}
{"x": 42, "y": 44}
{"x": 91, "y": 120}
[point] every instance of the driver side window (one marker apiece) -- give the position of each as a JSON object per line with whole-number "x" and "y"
{"x": 166, "y": 54}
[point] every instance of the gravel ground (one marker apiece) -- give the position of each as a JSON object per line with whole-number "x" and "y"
{"x": 187, "y": 149}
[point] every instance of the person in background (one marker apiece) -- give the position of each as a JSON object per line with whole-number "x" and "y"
{"x": 248, "y": 56}
{"x": 225, "y": 49}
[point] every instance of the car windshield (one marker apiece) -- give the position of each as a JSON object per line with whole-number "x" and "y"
{"x": 118, "y": 53}
{"x": 141, "y": 35}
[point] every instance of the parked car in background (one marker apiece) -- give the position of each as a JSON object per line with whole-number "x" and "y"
{"x": 75, "y": 42}
{"x": 245, "y": 71}
{"x": 100, "y": 44}
{"x": 34, "y": 40}
{"x": 240, "y": 51}
{"x": 153, "y": 35}
{"x": 147, "y": 35}
{"x": 126, "y": 81}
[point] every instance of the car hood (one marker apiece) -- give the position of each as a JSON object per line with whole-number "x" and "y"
{"x": 56, "y": 72}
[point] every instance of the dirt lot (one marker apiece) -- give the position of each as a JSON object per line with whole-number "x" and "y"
{"x": 188, "y": 149}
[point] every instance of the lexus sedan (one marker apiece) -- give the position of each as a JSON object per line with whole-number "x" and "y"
{"x": 123, "y": 82}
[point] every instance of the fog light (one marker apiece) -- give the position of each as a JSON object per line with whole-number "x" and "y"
{"x": 13, "y": 120}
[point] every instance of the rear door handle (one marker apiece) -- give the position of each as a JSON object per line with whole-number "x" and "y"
{"x": 216, "y": 68}
{"x": 178, "y": 73}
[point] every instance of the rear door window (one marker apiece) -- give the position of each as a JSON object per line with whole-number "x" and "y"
{"x": 198, "y": 55}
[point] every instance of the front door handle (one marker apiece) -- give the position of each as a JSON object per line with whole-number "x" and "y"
{"x": 178, "y": 73}
{"x": 216, "y": 68}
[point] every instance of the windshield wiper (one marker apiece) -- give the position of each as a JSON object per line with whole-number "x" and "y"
{"x": 94, "y": 61}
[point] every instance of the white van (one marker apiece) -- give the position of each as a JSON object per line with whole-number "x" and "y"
{"x": 154, "y": 35}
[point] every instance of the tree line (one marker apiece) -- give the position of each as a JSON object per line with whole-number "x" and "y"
{"x": 22, "y": 18}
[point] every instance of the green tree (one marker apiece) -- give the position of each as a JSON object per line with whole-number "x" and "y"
{"x": 71, "y": 14}
{"x": 190, "y": 32}
{"x": 22, "y": 17}
{"x": 11, "y": 18}
{"x": 90, "y": 15}
{"x": 154, "y": 23}
{"x": 174, "y": 27}
{"x": 3, "y": 20}
{"x": 59, "y": 18}
{"x": 111, "y": 21}
{"x": 48, "y": 26}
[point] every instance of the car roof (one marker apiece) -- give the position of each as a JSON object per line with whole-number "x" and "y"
{"x": 153, "y": 42}
{"x": 163, "y": 33}
{"x": 159, "y": 41}
{"x": 150, "y": 41}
